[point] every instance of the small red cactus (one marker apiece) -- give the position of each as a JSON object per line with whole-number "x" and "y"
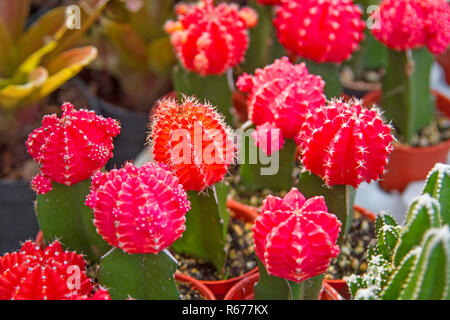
{"x": 409, "y": 24}
{"x": 296, "y": 238}
{"x": 69, "y": 149}
{"x": 320, "y": 30}
{"x": 208, "y": 39}
{"x": 346, "y": 144}
{"x": 193, "y": 140}
{"x": 44, "y": 274}
{"x": 139, "y": 210}
{"x": 282, "y": 94}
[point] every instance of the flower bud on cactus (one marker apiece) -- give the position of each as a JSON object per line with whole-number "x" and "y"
{"x": 49, "y": 274}
{"x": 193, "y": 140}
{"x": 281, "y": 95}
{"x": 409, "y": 24}
{"x": 209, "y": 40}
{"x": 71, "y": 148}
{"x": 322, "y": 31}
{"x": 345, "y": 144}
{"x": 139, "y": 210}
{"x": 296, "y": 238}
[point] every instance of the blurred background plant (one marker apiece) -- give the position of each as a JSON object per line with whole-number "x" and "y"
{"x": 37, "y": 56}
{"x": 136, "y": 56}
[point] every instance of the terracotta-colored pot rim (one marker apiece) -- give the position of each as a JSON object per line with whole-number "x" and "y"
{"x": 197, "y": 285}
{"x": 241, "y": 284}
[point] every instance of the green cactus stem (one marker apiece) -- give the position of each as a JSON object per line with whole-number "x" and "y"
{"x": 62, "y": 215}
{"x": 271, "y": 287}
{"x": 340, "y": 199}
{"x": 259, "y": 171}
{"x": 438, "y": 186}
{"x": 329, "y": 73}
{"x": 264, "y": 46}
{"x": 424, "y": 273}
{"x": 406, "y": 91}
{"x": 388, "y": 233}
{"x": 423, "y": 214}
{"x": 214, "y": 89}
{"x": 206, "y": 226}
{"x": 139, "y": 276}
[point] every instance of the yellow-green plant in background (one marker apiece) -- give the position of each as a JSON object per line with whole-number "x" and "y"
{"x": 37, "y": 60}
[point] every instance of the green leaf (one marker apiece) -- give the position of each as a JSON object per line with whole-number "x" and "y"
{"x": 339, "y": 199}
{"x": 63, "y": 215}
{"x": 406, "y": 91}
{"x": 139, "y": 276}
{"x": 213, "y": 89}
{"x": 271, "y": 287}
{"x": 259, "y": 171}
{"x": 204, "y": 236}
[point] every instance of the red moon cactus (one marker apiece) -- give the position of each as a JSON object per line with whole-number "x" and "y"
{"x": 50, "y": 274}
{"x": 409, "y": 24}
{"x": 193, "y": 140}
{"x": 71, "y": 148}
{"x": 139, "y": 210}
{"x": 281, "y": 95}
{"x": 296, "y": 238}
{"x": 346, "y": 144}
{"x": 320, "y": 30}
{"x": 210, "y": 40}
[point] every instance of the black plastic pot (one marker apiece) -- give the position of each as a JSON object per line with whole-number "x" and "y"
{"x": 131, "y": 139}
{"x": 17, "y": 218}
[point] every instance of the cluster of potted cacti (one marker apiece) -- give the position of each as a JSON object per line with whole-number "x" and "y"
{"x": 252, "y": 161}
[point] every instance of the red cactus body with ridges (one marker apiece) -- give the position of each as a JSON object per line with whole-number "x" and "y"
{"x": 320, "y": 30}
{"x": 410, "y": 24}
{"x": 282, "y": 94}
{"x": 71, "y": 148}
{"x": 139, "y": 210}
{"x": 345, "y": 143}
{"x": 43, "y": 274}
{"x": 296, "y": 238}
{"x": 193, "y": 140}
{"x": 209, "y": 40}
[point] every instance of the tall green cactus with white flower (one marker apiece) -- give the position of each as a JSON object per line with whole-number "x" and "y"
{"x": 412, "y": 262}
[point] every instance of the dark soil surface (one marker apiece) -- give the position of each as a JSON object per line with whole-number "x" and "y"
{"x": 240, "y": 260}
{"x": 353, "y": 256}
{"x": 187, "y": 292}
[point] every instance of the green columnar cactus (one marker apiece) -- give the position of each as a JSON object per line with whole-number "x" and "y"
{"x": 414, "y": 258}
{"x": 406, "y": 91}
{"x": 438, "y": 186}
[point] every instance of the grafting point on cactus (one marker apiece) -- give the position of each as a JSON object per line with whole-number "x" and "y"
{"x": 139, "y": 210}
{"x": 71, "y": 148}
{"x": 193, "y": 140}
{"x": 322, "y": 31}
{"x": 296, "y": 238}
{"x": 345, "y": 144}
{"x": 410, "y": 24}
{"x": 210, "y": 40}
{"x": 44, "y": 274}
{"x": 282, "y": 94}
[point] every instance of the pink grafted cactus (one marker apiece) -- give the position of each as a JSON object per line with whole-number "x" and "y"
{"x": 139, "y": 210}
{"x": 71, "y": 148}
{"x": 296, "y": 238}
{"x": 209, "y": 40}
{"x": 45, "y": 274}
{"x": 320, "y": 30}
{"x": 410, "y": 24}
{"x": 193, "y": 140}
{"x": 281, "y": 95}
{"x": 346, "y": 144}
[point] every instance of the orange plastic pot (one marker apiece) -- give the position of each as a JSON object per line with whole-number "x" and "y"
{"x": 407, "y": 164}
{"x": 244, "y": 213}
{"x": 331, "y": 289}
